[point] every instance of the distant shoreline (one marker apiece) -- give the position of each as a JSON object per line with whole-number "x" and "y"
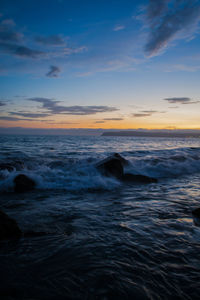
{"x": 153, "y": 134}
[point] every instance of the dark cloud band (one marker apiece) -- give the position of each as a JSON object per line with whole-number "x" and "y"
{"x": 53, "y": 107}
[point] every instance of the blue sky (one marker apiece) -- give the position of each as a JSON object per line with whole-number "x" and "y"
{"x": 100, "y": 64}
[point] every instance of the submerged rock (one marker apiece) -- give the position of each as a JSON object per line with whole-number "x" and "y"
{"x": 196, "y": 212}
{"x": 23, "y": 183}
{"x": 133, "y": 178}
{"x": 196, "y": 216}
{"x": 111, "y": 166}
{"x": 8, "y": 227}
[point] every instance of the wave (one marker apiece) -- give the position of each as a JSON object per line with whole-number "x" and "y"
{"x": 75, "y": 174}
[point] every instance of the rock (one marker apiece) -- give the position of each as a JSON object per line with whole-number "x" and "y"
{"x": 23, "y": 183}
{"x": 8, "y": 227}
{"x": 111, "y": 166}
{"x": 124, "y": 161}
{"x": 131, "y": 178}
{"x": 196, "y": 212}
{"x": 114, "y": 166}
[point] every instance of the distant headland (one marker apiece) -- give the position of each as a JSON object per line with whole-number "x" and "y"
{"x": 152, "y": 133}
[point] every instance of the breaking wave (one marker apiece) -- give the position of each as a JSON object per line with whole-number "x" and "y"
{"x": 75, "y": 174}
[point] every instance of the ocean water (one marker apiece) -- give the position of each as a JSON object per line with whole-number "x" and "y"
{"x": 103, "y": 239}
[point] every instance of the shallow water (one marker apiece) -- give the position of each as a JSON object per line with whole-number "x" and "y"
{"x": 104, "y": 239}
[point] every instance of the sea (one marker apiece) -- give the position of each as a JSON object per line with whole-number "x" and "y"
{"x": 103, "y": 239}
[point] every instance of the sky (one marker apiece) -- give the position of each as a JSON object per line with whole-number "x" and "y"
{"x": 100, "y": 64}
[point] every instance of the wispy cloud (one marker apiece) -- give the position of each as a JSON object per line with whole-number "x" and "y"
{"x": 15, "y": 43}
{"x": 183, "y": 67}
{"x": 53, "y": 107}
{"x": 8, "y": 118}
{"x": 9, "y": 22}
{"x": 146, "y": 113}
{"x": 181, "y": 100}
{"x": 70, "y": 50}
{"x": 20, "y": 51}
{"x": 51, "y": 40}
{"x": 53, "y": 72}
{"x": 11, "y": 41}
{"x": 113, "y": 119}
{"x": 166, "y": 19}
{"x": 2, "y": 103}
{"x": 149, "y": 111}
{"x": 140, "y": 115}
{"x": 118, "y": 28}
{"x": 29, "y": 115}
{"x": 8, "y": 35}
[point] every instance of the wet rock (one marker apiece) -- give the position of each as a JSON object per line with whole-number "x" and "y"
{"x": 196, "y": 212}
{"x": 8, "y": 227}
{"x": 23, "y": 183}
{"x": 111, "y": 166}
{"x": 124, "y": 161}
{"x": 114, "y": 166}
{"x": 133, "y": 178}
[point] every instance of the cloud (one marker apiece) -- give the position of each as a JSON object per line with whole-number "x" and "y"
{"x": 9, "y": 22}
{"x": 99, "y": 122}
{"x": 11, "y": 41}
{"x": 2, "y": 103}
{"x": 182, "y": 67}
{"x": 8, "y": 35}
{"x": 20, "y": 51}
{"x": 60, "y": 123}
{"x": 68, "y": 51}
{"x": 149, "y": 111}
{"x": 155, "y": 9}
{"x": 146, "y": 113}
{"x": 113, "y": 119}
{"x": 51, "y": 40}
{"x": 53, "y": 72}
{"x": 118, "y": 28}
{"x": 181, "y": 100}
{"x": 166, "y": 19}
{"x": 30, "y": 115}
{"x": 54, "y": 108}
{"x": 138, "y": 115}
{"x": 7, "y": 118}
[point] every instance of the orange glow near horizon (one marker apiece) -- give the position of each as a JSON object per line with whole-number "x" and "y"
{"x": 93, "y": 124}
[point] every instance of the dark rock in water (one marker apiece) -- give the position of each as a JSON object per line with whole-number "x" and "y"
{"x": 7, "y": 167}
{"x": 131, "y": 178}
{"x": 196, "y": 216}
{"x": 124, "y": 161}
{"x": 23, "y": 183}
{"x": 8, "y": 227}
{"x": 111, "y": 167}
{"x": 196, "y": 212}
